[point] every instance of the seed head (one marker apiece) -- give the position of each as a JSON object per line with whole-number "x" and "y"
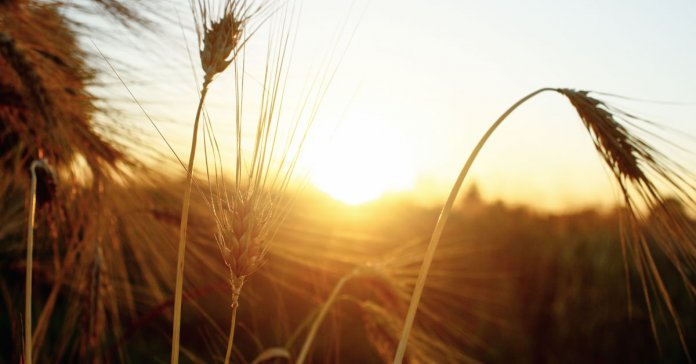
{"x": 658, "y": 195}
{"x": 619, "y": 148}
{"x": 250, "y": 207}
{"x": 243, "y": 234}
{"x": 220, "y": 33}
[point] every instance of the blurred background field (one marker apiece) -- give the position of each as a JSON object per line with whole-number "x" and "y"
{"x": 508, "y": 285}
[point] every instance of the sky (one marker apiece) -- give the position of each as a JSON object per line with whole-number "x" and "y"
{"x": 416, "y": 84}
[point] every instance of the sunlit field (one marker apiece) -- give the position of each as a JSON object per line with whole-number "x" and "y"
{"x": 317, "y": 181}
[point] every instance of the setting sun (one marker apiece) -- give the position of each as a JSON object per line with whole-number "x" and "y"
{"x": 362, "y": 161}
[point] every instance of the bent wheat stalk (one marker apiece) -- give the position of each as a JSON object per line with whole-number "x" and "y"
{"x": 636, "y": 166}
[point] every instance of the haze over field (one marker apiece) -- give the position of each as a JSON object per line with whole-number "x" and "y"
{"x": 426, "y": 81}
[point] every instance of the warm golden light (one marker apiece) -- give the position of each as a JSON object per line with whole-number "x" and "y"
{"x": 361, "y": 162}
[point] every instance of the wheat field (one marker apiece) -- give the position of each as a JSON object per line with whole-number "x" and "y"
{"x": 117, "y": 247}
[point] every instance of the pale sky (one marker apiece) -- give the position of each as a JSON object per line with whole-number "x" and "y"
{"x": 419, "y": 82}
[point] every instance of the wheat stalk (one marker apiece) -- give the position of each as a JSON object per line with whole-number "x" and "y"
{"x": 248, "y": 214}
{"x": 635, "y": 165}
{"x": 219, "y": 35}
{"x": 30, "y": 261}
{"x": 325, "y": 309}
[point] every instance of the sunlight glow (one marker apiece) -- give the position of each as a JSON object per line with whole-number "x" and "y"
{"x": 361, "y": 162}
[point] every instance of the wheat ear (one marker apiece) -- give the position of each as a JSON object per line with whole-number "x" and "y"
{"x": 36, "y": 91}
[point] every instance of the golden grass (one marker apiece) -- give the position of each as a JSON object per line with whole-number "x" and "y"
{"x": 47, "y": 112}
{"x": 44, "y": 83}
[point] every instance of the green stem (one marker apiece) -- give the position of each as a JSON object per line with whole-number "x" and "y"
{"x": 322, "y": 313}
{"x": 439, "y": 227}
{"x": 30, "y": 264}
{"x": 236, "y": 291}
{"x": 176, "y": 329}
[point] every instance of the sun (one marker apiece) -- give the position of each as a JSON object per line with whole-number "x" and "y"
{"x": 362, "y": 161}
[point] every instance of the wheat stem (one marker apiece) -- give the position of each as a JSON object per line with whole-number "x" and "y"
{"x": 30, "y": 264}
{"x": 42, "y": 323}
{"x": 439, "y": 227}
{"x": 236, "y": 292}
{"x": 183, "y": 227}
{"x": 233, "y": 323}
{"x": 322, "y": 313}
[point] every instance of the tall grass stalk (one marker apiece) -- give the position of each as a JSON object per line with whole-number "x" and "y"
{"x": 30, "y": 264}
{"x": 440, "y": 226}
{"x": 28, "y": 341}
{"x": 322, "y": 313}
{"x": 236, "y": 292}
{"x": 637, "y": 168}
{"x": 178, "y": 290}
{"x": 219, "y": 33}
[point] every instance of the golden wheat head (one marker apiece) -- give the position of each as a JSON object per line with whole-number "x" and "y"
{"x": 619, "y": 149}
{"x": 243, "y": 235}
{"x": 651, "y": 184}
{"x": 220, "y": 33}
